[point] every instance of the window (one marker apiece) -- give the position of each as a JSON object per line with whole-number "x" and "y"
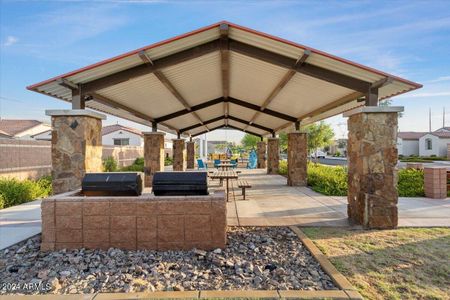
{"x": 429, "y": 144}
{"x": 121, "y": 142}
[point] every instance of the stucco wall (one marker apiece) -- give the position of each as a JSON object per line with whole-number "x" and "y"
{"x": 408, "y": 147}
{"x": 135, "y": 139}
{"x": 439, "y": 146}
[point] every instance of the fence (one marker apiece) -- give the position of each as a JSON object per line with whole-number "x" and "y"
{"x": 31, "y": 159}
{"x": 25, "y": 159}
{"x": 124, "y": 155}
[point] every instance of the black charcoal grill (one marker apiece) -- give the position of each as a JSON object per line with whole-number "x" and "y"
{"x": 112, "y": 184}
{"x": 180, "y": 183}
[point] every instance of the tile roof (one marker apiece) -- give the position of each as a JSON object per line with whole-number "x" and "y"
{"x": 13, "y": 127}
{"x": 116, "y": 127}
{"x": 4, "y": 134}
{"x": 411, "y": 135}
{"x": 442, "y": 134}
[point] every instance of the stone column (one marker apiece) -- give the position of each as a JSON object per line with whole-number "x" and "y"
{"x": 179, "y": 155}
{"x": 297, "y": 158}
{"x": 76, "y": 147}
{"x": 273, "y": 155}
{"x": 153, "y": 155}
{"x": 261, "y": 154}
{"x": 372, "y": 174}
{"x": 190, "y": 150}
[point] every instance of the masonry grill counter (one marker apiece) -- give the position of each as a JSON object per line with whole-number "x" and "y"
{"x": 112, "y": 210}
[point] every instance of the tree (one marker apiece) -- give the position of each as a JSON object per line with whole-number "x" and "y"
{"x": 249, "y": 141}
{"x": 388, "y": 102}
{"x": 283, "y": 141}
{"x": 319, "y": 135}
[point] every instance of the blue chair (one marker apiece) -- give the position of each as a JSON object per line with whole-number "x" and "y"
{"x": 201, "y": 164}
{"x": 234, "y": 163}
{"x": 252, "y": 160}
{"x": 216, "y": 163}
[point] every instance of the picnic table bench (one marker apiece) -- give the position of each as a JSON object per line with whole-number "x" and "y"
{"x": 243, "y": 184}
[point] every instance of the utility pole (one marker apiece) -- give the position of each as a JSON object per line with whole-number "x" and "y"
{"x": 443, "y": 117}
{"x": 429, "y": 120}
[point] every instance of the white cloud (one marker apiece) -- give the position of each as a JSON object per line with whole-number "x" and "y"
{"x": 440, "y": 79}
{"x": 10, "y": 40}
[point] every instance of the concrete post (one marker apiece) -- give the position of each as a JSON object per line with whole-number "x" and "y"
{"x": 261, "y": 154}
{"x": 273, "y": 155}
{"x": 297, "y": 158}
{"x": 179, "y": 155}
{"x": 190, "y": 151}
{"x": 153, "y": 155}
{"x": 372, "y": 174}
{"x": 76, "y": 147}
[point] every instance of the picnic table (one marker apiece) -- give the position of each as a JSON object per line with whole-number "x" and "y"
{"x": 227, "y": 175}
{"x": 225, "y": 166}
{"x": 225, "y": 161}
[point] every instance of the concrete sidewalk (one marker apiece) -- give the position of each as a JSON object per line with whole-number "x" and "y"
{"x": 19, "y": 222}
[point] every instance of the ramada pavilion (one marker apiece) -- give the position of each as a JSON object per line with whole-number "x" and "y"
{"x": 228, "y": 76}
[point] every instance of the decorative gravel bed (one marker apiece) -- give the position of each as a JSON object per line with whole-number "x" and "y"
{"x": 256, "y": 258}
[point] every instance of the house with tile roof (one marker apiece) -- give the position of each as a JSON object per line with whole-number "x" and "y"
{"x": 22, "y": 129}
{"x": 424, "y": 143}
{"x": 119, "y": 135}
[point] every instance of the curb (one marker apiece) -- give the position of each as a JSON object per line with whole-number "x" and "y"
{"x": 327, "y": 266}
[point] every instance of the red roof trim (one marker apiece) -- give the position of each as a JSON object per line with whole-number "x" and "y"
{"x": 202, "y": 29}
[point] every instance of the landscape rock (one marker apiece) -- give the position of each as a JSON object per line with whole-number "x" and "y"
{"x": 281, "y": 262}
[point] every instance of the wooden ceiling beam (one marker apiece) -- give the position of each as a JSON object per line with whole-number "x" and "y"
{"x": 247, "y": 123}
{"x": 265, "y": 111}
{"x": 307, "y": 69}
{"x": 143, "y": 69}
{"x": 166, "y": 82}
{"x": 231, "y": 100}
{"x": 286, "y": 78}
{"x": 341, "y": 101}
{"x": 240, "y": 129}
{"x": 200, "y": 124}
{"x": 225, "y": 64}
{"x": 193, "y": 108}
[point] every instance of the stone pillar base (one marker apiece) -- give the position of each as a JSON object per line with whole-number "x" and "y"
{"x": 153, "y": 155}
{"x": 297, "y": 158}
{"x": 261, "y": 155}
{"x": 372, "y": 173}
{"x": 76, "y": 147}
{"x": 273, "y": 155}
{"x": 190, "y": 152}
{"x": 179, "y": 155}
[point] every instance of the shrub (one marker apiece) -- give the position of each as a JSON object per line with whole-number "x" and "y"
{"x": 410, "y": 183}
{"x": 137, "y": 166}
{"x": 109, "y": 164}
{"x": 14, "y": 192}
{"x": 168, "y": 161}
{"x": 331, "y": 181}
{"x": 282, "y": 168}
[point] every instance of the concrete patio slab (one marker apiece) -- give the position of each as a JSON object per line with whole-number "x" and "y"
{"x": 271, "y": 202}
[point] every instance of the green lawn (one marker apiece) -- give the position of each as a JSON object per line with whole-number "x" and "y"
{"x": 411, "y": 263}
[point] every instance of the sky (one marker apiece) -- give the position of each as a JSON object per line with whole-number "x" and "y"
{"x": 42, "y": 39}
